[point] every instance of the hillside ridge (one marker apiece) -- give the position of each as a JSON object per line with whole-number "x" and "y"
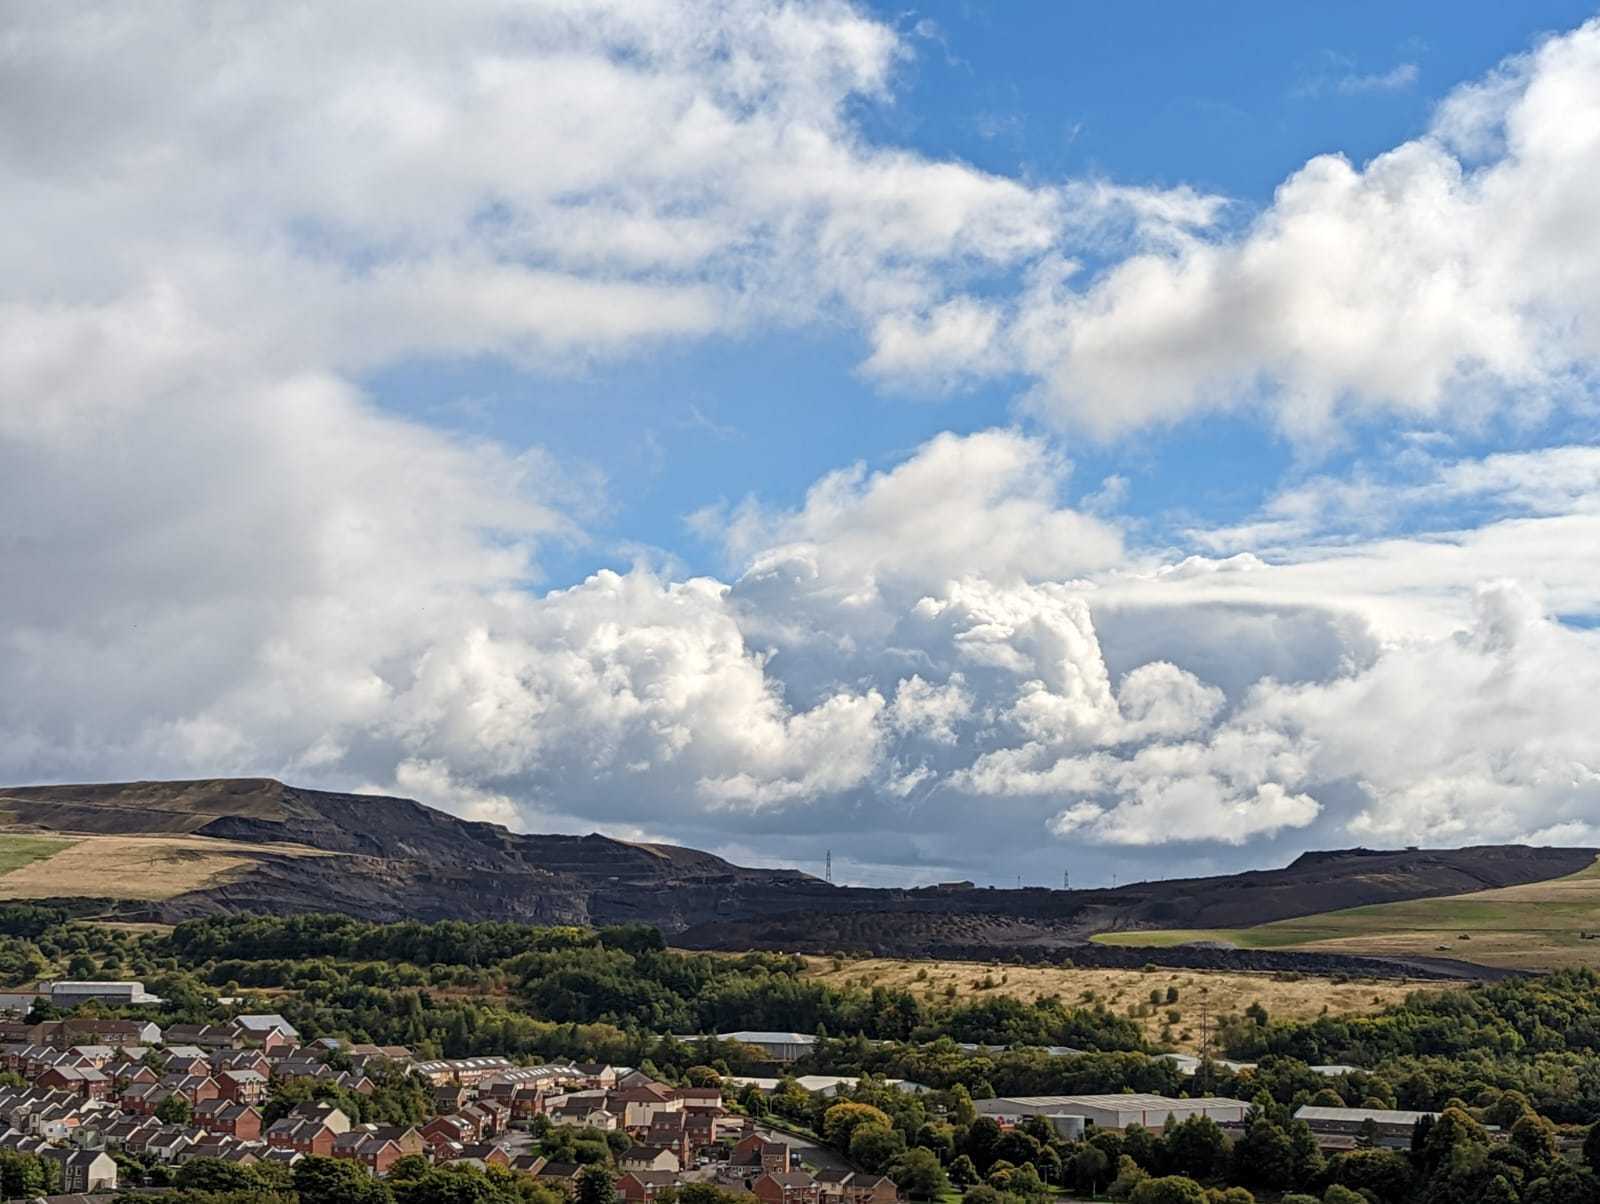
{"x": 389, "y": 858}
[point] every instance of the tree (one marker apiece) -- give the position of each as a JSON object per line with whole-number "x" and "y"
{"x": 1169, "y": 1189}
{"x": 1591, "y": 1148}
{"x": 873, "y": 1146}
{"x": 174, "y": 1110}
{"x": 1535, "y": 1136}
{"x": 1129, "y": 1176}
{"x": 450, "y": 1185}
{"x": 320, "y": 1180}
{"x": 23, "y": 1176}
{"x": 215, "y": 1175}
{"x": 1385, "y": 1173}
{"x": 1337, "y": 1193}
{"x": 1195, "y": 1147}
{"x": 979, "y": 1141}
{"x": 1265, "y": 1156}
{"x": 595, "y": 1186}
{"x": 918, "y": 1174}
{"x": 1088, "y": 1167}
{"x": 841, "y": 1120}
{"x": 962, "y": 1172}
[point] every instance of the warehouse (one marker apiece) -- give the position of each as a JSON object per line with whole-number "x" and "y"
{"x": 1113, "y": 1111}
{"x": 1345, "y": 1128}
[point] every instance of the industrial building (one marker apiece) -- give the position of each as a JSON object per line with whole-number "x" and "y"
{"x": 1111, "y": 1111}
{"x": 67, "y": 994}
{"x": 1340, "y": 1128}
{"x": 777, "y": 1047}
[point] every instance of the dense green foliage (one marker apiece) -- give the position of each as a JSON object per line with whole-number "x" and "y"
{"x": 1505, "y": 1064}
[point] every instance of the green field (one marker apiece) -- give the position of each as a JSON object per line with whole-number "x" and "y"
{"x": 1539, "y": 925}
{"x": 17, "y": 850}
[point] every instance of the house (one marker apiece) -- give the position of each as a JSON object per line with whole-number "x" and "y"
{"x": 242, "y": 1086}
{"x": 241, "y": 1059}
{"x": 584, "y": 1113}
{"x": 596, "y": 1074}
{"x": 103, "y": 1031}
{"x": 671, "y": 1130}
{"x": 131, "y": 1074}
{"x": 83, "y": 1171}
{"x": 20, "y": 1031}
{"x": 450, "y": 1096}
{"x": 196, "y": 1088}
{"x": 756, "y": 1151}
{"x": 641, "y": 1105}
{"x": 87, "y": 1083}
{"x": 239, "y": 1121}
{"x": 705, "y": 1126}
{"x": 169, "y": 1141}
{"x": 483, "y": 1154}
{"x": 699, "y": 1097}
{"x": 257, "y": 1027}
{"x": 377, "y": 1148}
{"x": 448, "y": 1130}
{"x": 786, "y": 1187}
{"x": 189, "y": 1059}
{"x": 650, "y": 1158}
{"x": 116, "y": 1134}
{"x": 324, "y": 1112}
{"x": 856, "y": 1187}
{"x": 302, "y": 1136}
{"x": 205, "y": 1036}
{"x": 559, "y": 1174}
{"x": 640, "y": 1187}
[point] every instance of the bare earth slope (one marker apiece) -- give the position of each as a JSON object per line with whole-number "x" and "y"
{"x": 392, "y": 858}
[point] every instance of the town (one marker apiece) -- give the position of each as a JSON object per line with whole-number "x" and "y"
{"x": 97, "y": 1097}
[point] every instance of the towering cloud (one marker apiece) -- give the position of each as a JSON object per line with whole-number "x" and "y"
{"x": 222, "y": 553}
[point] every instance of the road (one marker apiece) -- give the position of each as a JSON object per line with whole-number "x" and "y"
{"x": 819, "y": 1157}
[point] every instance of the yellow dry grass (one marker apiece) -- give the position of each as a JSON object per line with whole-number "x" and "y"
{"x": 137, "y": 867}
{"x": 1127, "y": 992}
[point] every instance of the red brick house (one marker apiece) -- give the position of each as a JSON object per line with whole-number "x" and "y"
{"x": 240, "y": 1121}
{"x": 756, "y": 1151}
{"x": 302, "y": 1136}
{"x": 640, "y": 1187}
{"x": 787, "y": 1187}
{"x": 242, "y": 1086}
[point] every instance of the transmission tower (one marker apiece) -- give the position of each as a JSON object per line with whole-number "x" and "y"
{"x": 827, "y": 867}
{"x": 1066, "y": 879}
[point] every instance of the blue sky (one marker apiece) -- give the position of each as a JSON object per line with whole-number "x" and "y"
{"x": 978, "y": 439}
{"x": 1229, "y": 99}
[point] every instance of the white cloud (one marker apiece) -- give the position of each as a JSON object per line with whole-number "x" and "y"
{"x": 221, "y": 556}
{"x": 1449, "y": 279}
{"x": 1397, "y": 79}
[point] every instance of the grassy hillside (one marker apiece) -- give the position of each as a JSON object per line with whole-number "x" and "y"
{"x": 17, "y": 850}
{"x": 1201, "y": 994}
{"x": 123, "y": 867}
{"x": 1535, "y": 926}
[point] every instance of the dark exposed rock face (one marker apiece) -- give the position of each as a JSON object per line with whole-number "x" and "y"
{"x": 398, "y": 859}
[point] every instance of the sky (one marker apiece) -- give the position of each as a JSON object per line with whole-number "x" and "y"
{"x": 981, "y": 441}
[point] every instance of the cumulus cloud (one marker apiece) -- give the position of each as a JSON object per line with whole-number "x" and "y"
{"x": 1450, "y": 278}
{"x": 223, "y": 556}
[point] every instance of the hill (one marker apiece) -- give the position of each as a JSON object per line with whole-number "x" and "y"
{"x": 1532, "y": 926}
{"x": 256, "y": 844}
